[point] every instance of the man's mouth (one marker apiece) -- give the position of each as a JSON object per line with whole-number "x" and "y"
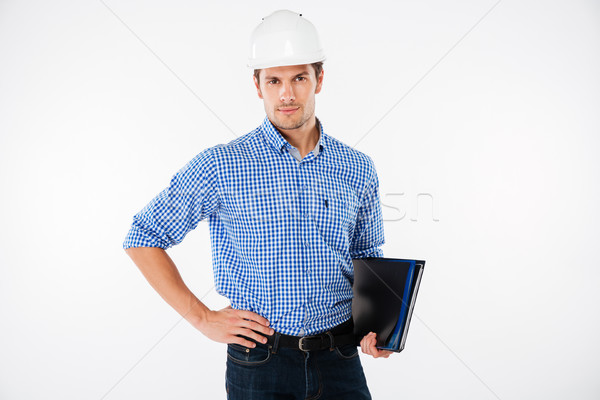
{"x": 288, "y": 110}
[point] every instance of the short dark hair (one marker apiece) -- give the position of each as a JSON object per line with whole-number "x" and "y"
{"x": 317, "y": 66}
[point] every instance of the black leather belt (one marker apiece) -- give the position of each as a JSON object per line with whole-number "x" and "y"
{"x": 336, "y": 336}
{"x": 321, "y": 341}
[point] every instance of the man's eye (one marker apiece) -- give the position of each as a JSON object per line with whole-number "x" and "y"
{"x": 272, "y": 81}
{"x": 301, "y": 78}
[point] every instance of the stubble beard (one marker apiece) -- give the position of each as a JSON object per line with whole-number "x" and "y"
{"x": 283, "y": 122}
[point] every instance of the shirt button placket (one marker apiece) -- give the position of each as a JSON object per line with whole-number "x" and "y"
{"x": 303, "y": 202}
{"x": 303, "y": 184}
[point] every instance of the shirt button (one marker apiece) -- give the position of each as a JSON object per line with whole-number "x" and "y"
{"x": 304, "y": 186}
{"x": 302, "y": 332}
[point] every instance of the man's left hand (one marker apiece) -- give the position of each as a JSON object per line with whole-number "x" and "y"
{"x": 367, "y": 345}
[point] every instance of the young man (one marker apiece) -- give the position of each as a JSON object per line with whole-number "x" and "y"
{"x": 288, "y": 208}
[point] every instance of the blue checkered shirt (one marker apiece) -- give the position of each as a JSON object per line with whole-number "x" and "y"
{"x": 283, "y": 232}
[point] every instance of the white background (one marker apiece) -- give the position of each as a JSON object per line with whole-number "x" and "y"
{"x": 501, "y": 130}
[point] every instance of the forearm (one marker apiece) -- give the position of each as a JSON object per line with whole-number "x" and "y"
{"x": 223, "y": 326}
{"x": 162, "y": 274}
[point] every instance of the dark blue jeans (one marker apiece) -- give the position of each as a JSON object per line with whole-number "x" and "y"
{"x": 270, "y": 372}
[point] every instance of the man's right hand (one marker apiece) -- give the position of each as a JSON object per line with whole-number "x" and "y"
{"x": 223, "y": 326}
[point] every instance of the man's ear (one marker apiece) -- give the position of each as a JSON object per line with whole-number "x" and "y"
{"x": 257, "y": 87}
{"x": 319, "y": 82}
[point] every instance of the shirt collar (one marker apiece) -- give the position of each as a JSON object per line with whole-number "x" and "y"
{"x": 274, "y": 137}
{"x": 317, "y": 148}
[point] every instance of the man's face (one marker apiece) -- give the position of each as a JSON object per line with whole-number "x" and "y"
{"x": 289, "y": 94}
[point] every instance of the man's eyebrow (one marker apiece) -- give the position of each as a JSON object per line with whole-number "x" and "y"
{"x": 295, "y": 76}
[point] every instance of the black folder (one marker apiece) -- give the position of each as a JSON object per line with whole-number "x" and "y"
{"x": 385, "y": 290}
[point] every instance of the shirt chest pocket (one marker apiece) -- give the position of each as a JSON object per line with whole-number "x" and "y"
{"x": 334, "y": 217}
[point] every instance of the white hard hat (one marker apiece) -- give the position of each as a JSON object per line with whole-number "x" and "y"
{"x": 284, "y": 38}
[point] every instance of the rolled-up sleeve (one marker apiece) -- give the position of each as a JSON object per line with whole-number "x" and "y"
{"x": 191, "y": 196}
{"x": 368, "y": 232}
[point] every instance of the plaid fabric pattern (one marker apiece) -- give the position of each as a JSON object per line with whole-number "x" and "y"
{"x": 283, "y": 232}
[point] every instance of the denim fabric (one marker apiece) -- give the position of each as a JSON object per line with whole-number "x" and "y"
{"x": 268, "y": 372}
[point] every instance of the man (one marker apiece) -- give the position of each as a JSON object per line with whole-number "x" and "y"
{"x": 288, "y": 208}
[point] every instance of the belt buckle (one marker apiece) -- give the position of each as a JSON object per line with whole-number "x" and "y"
{"x": 300, "y": 342}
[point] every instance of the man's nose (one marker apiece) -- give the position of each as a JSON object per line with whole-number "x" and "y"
{"x": 287, "y": 93}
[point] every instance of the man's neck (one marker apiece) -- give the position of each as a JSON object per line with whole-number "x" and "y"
{"x": 304, "y": 138}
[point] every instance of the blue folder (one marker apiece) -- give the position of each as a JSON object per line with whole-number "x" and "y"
{"x": 385, "y": 291}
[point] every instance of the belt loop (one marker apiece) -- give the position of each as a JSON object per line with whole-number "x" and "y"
{"x": 275, "y": 342}
{"x": 330, "y": 340}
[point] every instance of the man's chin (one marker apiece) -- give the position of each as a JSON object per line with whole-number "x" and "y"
{"x": 288, "y": 128}
{"x": 288, "y": 125}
